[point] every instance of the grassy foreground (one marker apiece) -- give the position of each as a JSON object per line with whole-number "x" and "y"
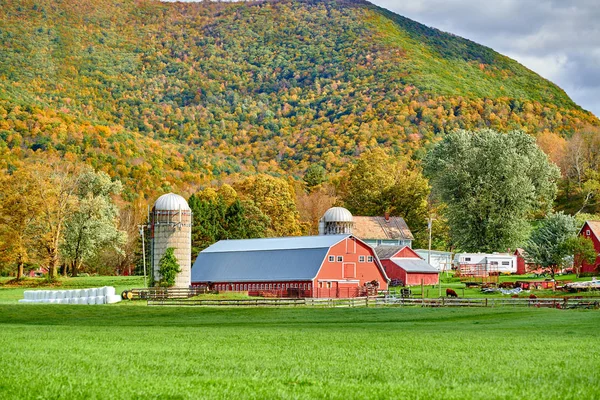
{"x": 60, "y": 351}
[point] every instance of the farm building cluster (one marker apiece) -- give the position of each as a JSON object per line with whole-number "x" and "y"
{"x": 352, "y": 256}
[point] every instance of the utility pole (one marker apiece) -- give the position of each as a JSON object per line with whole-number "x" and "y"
{"x": 141, "y": 227}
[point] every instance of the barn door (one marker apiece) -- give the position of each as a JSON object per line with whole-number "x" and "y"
{"x": 349, "y": 271}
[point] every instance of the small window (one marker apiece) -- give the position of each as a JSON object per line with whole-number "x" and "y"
{"x": 370, "y": 258}
{"x": 494, "y": 263}
{"x": 320, "y": 284}
{"x": 331, "y": 258}
{"x": 587, "y": 232}
{"x": 505, "y": 262}
{"x": 328, "y": 285}
{"x": 467, "y": 258}
{"x": 361, "y": 259}
{"x": 340, "y": 258}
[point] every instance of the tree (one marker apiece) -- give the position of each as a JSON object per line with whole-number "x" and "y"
{"x": 492, "y": 184}
{"x": 548, "y": 245}
{"x": 583, "y": 251}
{"x": 378, "y": 183}
{"x": 314, "y": 176}
{"x": 168, "y": 268}
{"x": 56, "y": 186}
{"x": 215, "y": 218}
{"x": 93, "y": 223}
{"x": 275, "y": 198}
{"x": 19, "y": 213}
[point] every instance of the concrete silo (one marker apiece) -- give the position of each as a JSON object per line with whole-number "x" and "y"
{"x": 336, "y": 221}
{"x": 171, "y": 224}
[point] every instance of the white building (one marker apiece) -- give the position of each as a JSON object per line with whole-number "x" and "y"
{"x": 491, "y": 262}
{"x": 440, "y": 260}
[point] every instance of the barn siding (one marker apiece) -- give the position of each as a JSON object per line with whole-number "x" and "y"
{"x": 586, "y": 267}
{"x": 333, "y": 272}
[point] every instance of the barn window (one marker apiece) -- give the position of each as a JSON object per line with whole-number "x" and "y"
{"x": 309, "y": 286}
{"x": 361, "y": 259}
{"x": 320, "y": 284}
{"x": 370, "y": 258}
{"x": 340, "y": 258}
{"x": 587, "y": 232}
{"x": 505, "y": 262}
{"x": 467, "y": 258}
{"x": 331, "y": 258}
{"x": 328, "y": 285}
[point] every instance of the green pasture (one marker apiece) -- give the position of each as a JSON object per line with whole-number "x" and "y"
{"x": 10, "y": 293}
{"x": 102, "y": 352}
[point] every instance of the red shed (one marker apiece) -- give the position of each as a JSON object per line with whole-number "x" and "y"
{"x": 304, "y": 266}
{"x": 403, "y": 264}
{"x": 591, "y": 230}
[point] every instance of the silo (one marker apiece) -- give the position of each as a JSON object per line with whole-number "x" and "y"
{"x": 335, "y": 221}
{"x": 171, "y": 224}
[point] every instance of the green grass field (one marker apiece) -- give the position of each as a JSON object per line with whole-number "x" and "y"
{"x": 101, "y": 352}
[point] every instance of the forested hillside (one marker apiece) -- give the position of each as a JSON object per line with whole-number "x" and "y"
{"x": 169, "y": 96}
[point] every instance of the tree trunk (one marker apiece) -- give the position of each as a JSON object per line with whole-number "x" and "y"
{"x": 20, "y": 268}
{"x": 74, "y": 268}
{"x": 52, "y": 262}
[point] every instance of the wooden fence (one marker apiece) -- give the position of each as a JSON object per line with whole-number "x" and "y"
{"x": 383, "y": 302}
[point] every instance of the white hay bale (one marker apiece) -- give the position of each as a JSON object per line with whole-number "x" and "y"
{"x": 60, "y": 294}
{"x": 93, "y": 292}
{"x": 28, "y": 295}
{"x": 110, "y": 291}
{"x": 68, "y": 294}
{"x": 101, "y": 291}
{"x": 82, "y": 300}
{"x": 62, "y": 301}
{"x": 115, "y": 298}
{"x": 77, "y": 293}
{"x": 101, "y": 300}
{"x": 91, "y": 300}
{"x": 73, "y": 300}
{"x": 51, "y": 294}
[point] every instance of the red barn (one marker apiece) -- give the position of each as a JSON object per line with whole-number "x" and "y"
{"x": 304, "y": 266}
{"x": 591, "y": 230}
{"x": 403, "y": 264}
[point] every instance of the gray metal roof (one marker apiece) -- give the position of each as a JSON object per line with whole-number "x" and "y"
{"x": 258, "y": 265}
{"x": 386, "y": 252}
{"x": 283, "y": 243}
{"x": 414, "y": 265}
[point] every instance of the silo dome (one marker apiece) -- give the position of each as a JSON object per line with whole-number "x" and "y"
{"x": 337, "y": 214}
{"x": 336, "y": 221}
{"x": 171, "y": 202}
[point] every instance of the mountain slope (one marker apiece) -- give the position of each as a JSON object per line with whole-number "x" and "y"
{"x": 170, "y": 95}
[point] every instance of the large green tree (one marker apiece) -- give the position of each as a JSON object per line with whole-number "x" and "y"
{"x": 492, "y": 183}
{"x": 219, "y": 214}
{"x": 93, "y": 224}
{"x": 549, "y": 244}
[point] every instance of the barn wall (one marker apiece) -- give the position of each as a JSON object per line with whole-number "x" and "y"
{"x": 342, "y": 276}
{"x": 586, "y": 267}
{"x": 414, "y": 278}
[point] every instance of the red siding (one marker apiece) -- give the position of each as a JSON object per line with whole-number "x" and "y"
{"x": 393, "y": 271}
{"x": 349, "y": 276}
{"x": 584, "y": 232}
{"x": 521, "y": 268}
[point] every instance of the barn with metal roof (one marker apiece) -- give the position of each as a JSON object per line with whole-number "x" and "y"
{"x": 404, "y": 266}
{"x": 304, "y": 266}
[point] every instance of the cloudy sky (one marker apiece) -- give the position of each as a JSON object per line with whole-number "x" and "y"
{"x": 558, "y": 39}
